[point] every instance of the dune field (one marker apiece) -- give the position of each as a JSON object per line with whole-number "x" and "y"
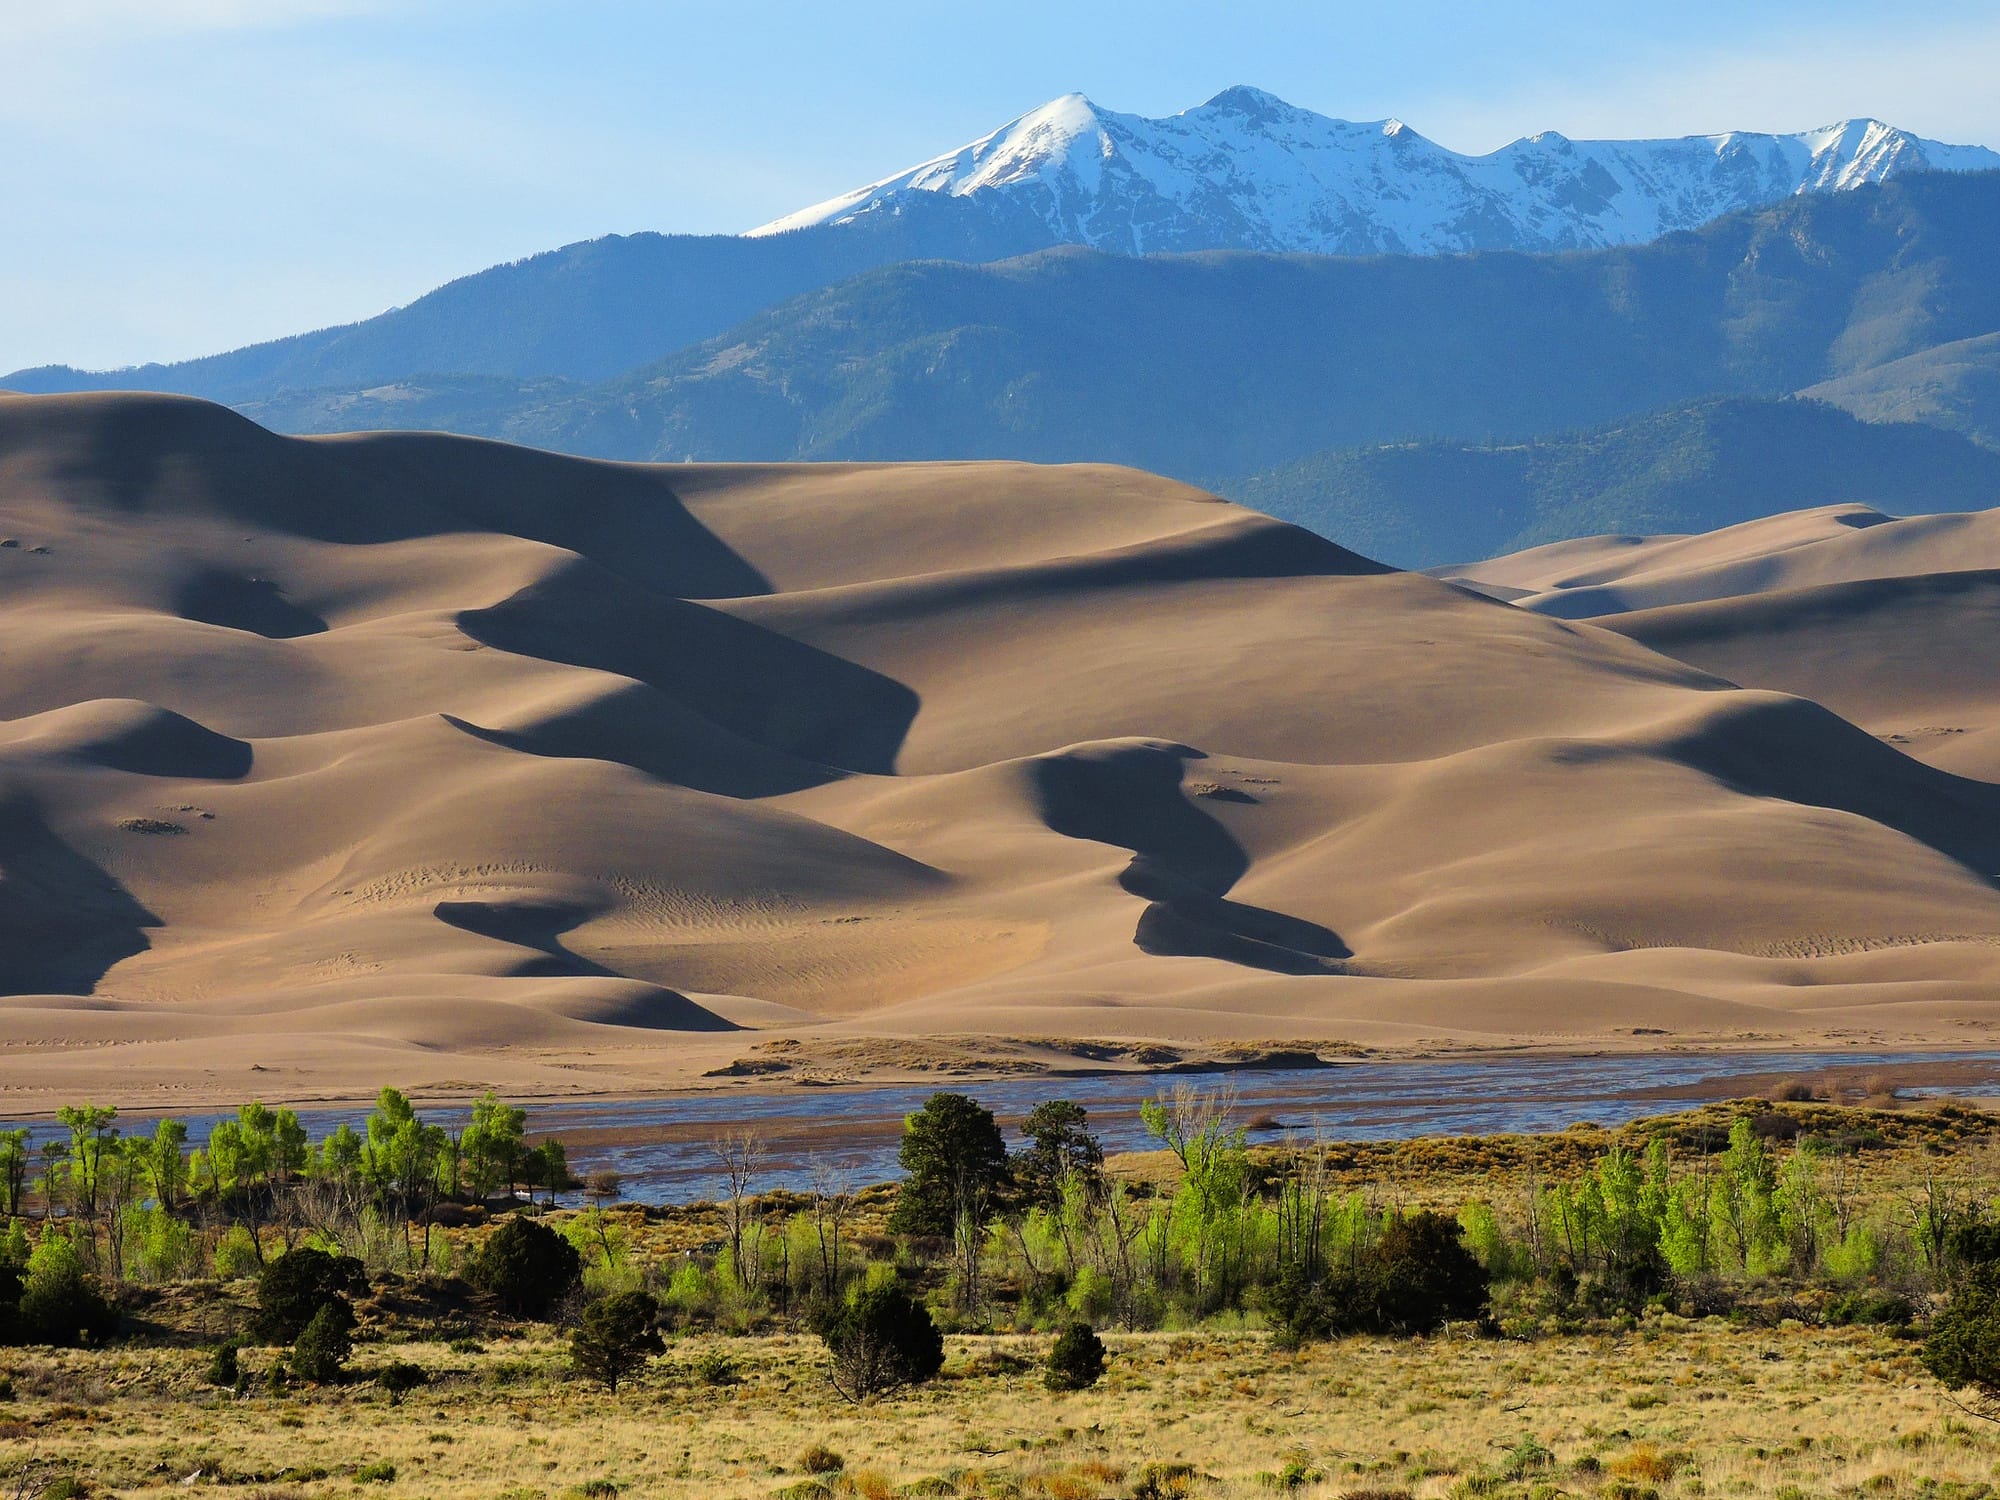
{"x": 332, "y": 762}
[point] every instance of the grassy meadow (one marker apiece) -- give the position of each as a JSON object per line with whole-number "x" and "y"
{"x": 1670, "y": 1408}
{"x": 1757, "y": 1378}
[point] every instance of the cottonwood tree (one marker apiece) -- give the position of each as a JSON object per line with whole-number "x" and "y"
{"x": 740, "y": 1153}
{"x": 493, "y": 1145}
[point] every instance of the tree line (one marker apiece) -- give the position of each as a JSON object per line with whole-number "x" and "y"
{"x": 980, "y": 1234}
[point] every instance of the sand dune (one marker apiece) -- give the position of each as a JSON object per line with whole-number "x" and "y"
{"x": 1891, "y": 623}
{"x": 332, "y": 762}
{"x": 1593, "y": 577}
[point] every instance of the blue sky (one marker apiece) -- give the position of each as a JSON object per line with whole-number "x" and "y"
{"x": 182, "y": 176}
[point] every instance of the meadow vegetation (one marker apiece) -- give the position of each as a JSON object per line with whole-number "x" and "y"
{"x": 1783, "y": 1298}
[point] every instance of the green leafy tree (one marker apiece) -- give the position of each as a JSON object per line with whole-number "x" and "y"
{"x": 165, "y": 1160}
{"x": 954, "y": 1158}
{"x": 339, "y": 1155}
{"x": 1201, "y": 1226}
{"x": 291, "y": 1148}
{"x": 1060, "y": 1148}
{"x": 14, "y": 1164}
{"x": 92, "y": 1139}
{"x": 494, "y": 1146}
{"x": 547, "y": 1167}
{"x": 1743, "y": 1202}
{"x": 615, "y": 1338}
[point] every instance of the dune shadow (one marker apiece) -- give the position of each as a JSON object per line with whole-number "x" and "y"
{"x": 822, "y": 712}
{"x": 534, "y": 925}
{"x": 256, "y": 605}
{"x": 154, "y": 741}
{"x": 64, "y": 921}
{"x": 1183, "y": 862}
{"x": 539, "y": 927}
{"x": 142, "y": 452}
{"x": 626, "y": 518}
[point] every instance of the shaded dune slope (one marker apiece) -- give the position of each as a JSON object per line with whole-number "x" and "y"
{"x": 417, "y": 756}
{"x": 1892, "y": 623}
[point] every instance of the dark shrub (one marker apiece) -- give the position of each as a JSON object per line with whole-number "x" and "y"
{"x": 1304, "y": 1312}
{"x": 223, "y": 1367}
{"x": 295, "y": 1286}
{"x": 401, "y": 1375}
{"x": 1425, "y": 1276}
{"x": 527, "y": 1267}
{"x": 1076, "y": 1361}
{"x": 715, "y": 1368}
{"x": 1635, "y": 1278}
{"x": 879, "y": 1339}
{"x": 1164, "y": 1482}
{"x": 1876, "y": 1309}
{"x": 614, "y": 1339}
{"x": 1963, "y": 1348}
{"x": 324, "y": 1343}
{"x": 1416, "y": 1277}
{"x": 1976, "y": 1243}
{"x": 60, "y": 1302}
{"x": 10, "y": 1304}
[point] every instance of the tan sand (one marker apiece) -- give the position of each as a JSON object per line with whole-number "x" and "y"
{"x": 329, "y": 763}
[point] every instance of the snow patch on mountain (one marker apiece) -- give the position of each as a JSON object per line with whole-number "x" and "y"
{"x": 1248, "y": 171}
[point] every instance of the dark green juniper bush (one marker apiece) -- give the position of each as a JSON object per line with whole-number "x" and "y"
{"x": 324, "y": 1344}
{"x": 615, "y": 1339}
{"x": 294, "y": 1287}
{"x": 527, "y": 1267}
{"x": 879, "y": 1339}
{"x": 1076, "y": 1359}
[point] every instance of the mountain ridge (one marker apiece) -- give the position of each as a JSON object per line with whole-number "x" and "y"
{"x": 597, "y": 308}
{"x": 1226, "y": 363}
{"x": 1248, "y": 171}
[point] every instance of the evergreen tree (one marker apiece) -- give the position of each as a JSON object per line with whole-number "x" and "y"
{"x": 1060, "y": 1147}
{"x": 955, "y": 1158}
{"x": 324, "y": 1344}
{"x": 615, "y": 1339}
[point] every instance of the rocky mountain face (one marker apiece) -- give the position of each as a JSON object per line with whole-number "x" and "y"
{"x": 1247, "y": 171}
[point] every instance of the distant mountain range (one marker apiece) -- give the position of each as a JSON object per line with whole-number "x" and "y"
{"x": 1208, "y": 366}
{"x": 1245, "y": 171}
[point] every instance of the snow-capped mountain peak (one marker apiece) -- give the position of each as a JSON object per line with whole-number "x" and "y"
{"x": 1247, "y": 170}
